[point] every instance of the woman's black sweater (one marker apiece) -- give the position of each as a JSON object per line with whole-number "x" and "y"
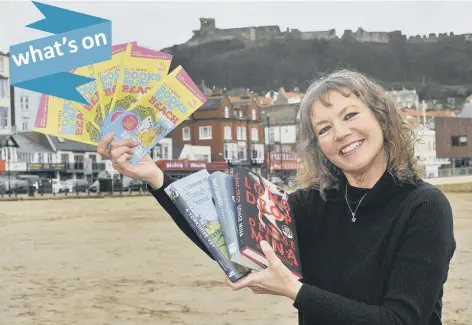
{"x": 386, "y": 268}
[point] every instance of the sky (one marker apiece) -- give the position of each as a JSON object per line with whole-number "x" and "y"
{"x": 158, "y": 24}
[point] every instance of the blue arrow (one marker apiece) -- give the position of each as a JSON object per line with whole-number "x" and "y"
{"x": 58, "y": 20}
{"x": 62, "y": 85}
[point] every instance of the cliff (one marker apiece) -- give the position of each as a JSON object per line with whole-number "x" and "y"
{"x": 264, "y": 58}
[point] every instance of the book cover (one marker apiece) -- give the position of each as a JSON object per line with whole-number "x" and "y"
{"x": 141, "y": 69}
{"x": 158, "y": 112}
{"x": 57, "y": 116}
{"x": 264, "y": 214}
{"x": 222, "y": 189}
{"x": 192, "y": 196}
{"x": 106, "y": 77}
{"x": 93, "y": 111}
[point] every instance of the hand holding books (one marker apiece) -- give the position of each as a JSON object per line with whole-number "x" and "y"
{"x": 276, "y": 279}
{"x": 121, "y": 151}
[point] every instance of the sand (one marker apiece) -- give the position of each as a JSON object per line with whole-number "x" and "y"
{"x": 123, "y": 261}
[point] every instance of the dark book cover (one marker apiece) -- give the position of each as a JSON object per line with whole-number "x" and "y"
{"x": 263, "y": 213}
{"x": 222, "y": 189}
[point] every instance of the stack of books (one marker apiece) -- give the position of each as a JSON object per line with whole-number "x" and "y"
{"x": 233, "y": 213}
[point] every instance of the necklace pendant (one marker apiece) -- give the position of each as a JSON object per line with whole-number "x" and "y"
{"x": 353, "y": 217}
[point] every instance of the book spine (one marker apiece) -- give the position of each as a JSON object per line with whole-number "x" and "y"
{"x": 238, "y": 200}
{"x": 202, "y": 234}
{"x": 223, "y": 199}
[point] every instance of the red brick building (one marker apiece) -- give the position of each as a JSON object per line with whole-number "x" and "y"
{"x": 230, "y": 126}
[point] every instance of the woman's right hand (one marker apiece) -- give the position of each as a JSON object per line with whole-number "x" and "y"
{"x": 121, "y": 151}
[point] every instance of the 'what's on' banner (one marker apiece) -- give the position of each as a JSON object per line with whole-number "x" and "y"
{"x": 42, "y": 65}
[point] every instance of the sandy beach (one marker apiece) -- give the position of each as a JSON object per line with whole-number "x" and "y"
{"x": 123, "y": 261}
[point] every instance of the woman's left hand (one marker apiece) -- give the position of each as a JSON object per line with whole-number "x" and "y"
{"x": 276, "y": 279}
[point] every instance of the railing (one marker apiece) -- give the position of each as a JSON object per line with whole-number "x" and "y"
{"x": 74, "y": 187}
{"x": 458, "y": 171}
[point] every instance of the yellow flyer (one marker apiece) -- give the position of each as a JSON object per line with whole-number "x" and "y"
{"x": 93, "y": 111}
{"x": 106, "y": 75}
{"x": 158, "y": 112}
{"x": 141, "y": 69}
{"x": 58, "y": 117}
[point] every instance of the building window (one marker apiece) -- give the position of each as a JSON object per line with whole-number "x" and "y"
{"x": 156, "y": 153}
{"x": 165, "y": 152}
{"x": 3, "y": 117}
{"x": 230, "y": 151}
{"x": 241, "y": 133}
{"x": 226, "y": 112}
{"x": 79, "y": 158}
{"x": 1, "y": 64}
{"x": 254, "y": 134}
{"x": 204, "y": 132}
{"x": 186, "y": 134}
{"x": 3, "y": 88}
{"x": 258, "y": 152}
{"x": 253, "y": 114}
{"x": 228, "y": 132}
{"x": 459, "y": 141}
{"x": 25, "y": 125}
{"x": 25, "y": 157}
{"x": 240, "y": 114}
{"x": 242, "y": 150}
{"x": 26, "y": 102}
{"x": 64, "y": 158}
{"x": 22, "y": 102}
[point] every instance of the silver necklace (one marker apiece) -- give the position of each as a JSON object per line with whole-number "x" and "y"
{"x": 353, "y": 213}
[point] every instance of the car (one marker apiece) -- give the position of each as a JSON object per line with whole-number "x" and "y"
{"x": 16, "y": 186}
{"x": 76, "y": 185}
{"x": 59, "y": 186}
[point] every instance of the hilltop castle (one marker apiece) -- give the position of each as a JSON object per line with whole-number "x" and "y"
{"x": 209, "y": 33}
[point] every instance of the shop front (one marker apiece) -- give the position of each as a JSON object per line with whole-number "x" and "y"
{"x": 182, "y": 168}
{"x": 284, "y": 165}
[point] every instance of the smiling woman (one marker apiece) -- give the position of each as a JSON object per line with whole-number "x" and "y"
{"x": 350, "y": 126}
{"x": 375, "y": 241}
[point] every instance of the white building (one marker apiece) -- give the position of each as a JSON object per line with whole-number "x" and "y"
{"x": 162, "y": 151}
{"x": 425, "y": 152}
{"x": 191, "y": 152}
{"x": 281, "y": 129}
{"x": 405, "y": 98}
{"x": 50, "y": 157}
{"x": 25, "y": 107}
{"x": 5, "y": 110}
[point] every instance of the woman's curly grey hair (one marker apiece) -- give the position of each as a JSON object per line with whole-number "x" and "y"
{"x": 318, "y": 171}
